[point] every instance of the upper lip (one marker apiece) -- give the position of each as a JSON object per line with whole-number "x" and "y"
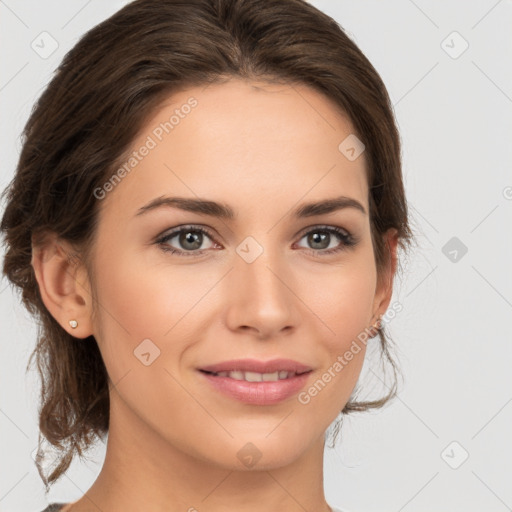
{"x": 254, "y": 365}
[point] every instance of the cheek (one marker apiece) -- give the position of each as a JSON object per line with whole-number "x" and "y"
{"x": 140, "y": 299}
{"x": 343, "y": 301}
{"x": 127, "y": 313}
{"x": 342, "y": 296}
{"x": 144, "y": 298}
{"x": 141, "y": 314}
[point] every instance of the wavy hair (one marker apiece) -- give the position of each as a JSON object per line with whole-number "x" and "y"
{"x": 81, "y": 127}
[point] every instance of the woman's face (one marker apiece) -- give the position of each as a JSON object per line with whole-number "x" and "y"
{"x": 264, "y": 283}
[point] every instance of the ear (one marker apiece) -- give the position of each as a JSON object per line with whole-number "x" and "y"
{"x": 384, "y": 290}
{"x": 63, "y": 283}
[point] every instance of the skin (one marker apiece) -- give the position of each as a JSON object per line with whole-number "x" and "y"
{"x": 173, "y": 441}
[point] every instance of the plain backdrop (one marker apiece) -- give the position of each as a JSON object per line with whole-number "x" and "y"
{"x": 444, "y": 443}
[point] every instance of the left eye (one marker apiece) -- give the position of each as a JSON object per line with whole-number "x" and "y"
{"x": 190, "y": 240}
{"x": 321, "y": 238}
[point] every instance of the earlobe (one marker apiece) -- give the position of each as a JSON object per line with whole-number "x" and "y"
{"x": 56, "y": 268}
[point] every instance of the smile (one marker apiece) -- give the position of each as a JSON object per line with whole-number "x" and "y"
{"x": 257, "y": 388}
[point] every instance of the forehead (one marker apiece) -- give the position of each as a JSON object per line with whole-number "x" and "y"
{"x": 243, "y": 143}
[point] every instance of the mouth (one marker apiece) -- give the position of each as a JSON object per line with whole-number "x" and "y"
{"x": 256, "y": 388}
{"x": 249, "y": 376}
{"x": 252, "y": 369}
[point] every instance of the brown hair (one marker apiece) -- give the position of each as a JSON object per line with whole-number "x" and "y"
{"x": 102, "y": 93}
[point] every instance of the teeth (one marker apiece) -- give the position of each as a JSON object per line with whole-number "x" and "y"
{"x": 256, "y": 376}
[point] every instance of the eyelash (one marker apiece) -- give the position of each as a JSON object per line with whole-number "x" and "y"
{"x": 345, "y": 237}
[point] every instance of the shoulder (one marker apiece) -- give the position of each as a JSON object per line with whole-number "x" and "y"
{"x": 54, "y": 507}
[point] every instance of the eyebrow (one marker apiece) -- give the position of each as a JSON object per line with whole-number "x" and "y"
{"x": 223, "y": 211}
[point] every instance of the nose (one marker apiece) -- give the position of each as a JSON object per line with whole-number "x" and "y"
{"x": 261, "y": 296}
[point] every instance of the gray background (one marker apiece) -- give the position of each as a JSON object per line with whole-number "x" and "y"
{"x": 453, "y": 334}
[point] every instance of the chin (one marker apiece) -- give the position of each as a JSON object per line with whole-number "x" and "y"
{"x": 259, "y": 453}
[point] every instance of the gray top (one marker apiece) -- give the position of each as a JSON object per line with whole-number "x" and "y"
{"x": 54, "y": 507}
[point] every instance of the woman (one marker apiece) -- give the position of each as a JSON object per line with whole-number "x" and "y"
{"x": 206, "y": 218}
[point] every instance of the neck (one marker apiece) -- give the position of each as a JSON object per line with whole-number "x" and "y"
{"x": 144, "y": 471}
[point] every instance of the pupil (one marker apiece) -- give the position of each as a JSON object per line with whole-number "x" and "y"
{"x": 194, "y": 239}
{"x": 319, "y": 238}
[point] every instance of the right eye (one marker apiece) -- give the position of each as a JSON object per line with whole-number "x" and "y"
{"x": 190, "y": 238}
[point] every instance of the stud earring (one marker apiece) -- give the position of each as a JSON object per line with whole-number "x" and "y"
{"x": 73, "y": 324}
{"x": 377, "y": 324}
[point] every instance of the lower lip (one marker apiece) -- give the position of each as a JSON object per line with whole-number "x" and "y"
{"x": 258, "y": 393}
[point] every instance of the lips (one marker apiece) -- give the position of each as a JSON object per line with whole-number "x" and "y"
{"x": 263, "y": 392}
{"x": 257, "y": 366}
